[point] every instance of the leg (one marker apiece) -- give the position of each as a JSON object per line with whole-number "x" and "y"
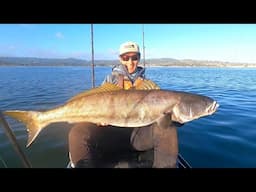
{"x": 80, "y": 143}
{"x": 142, "y": 141}
{"x": 97, "y": 146}
{"x": 113, "y": 146}
{"x": 142, "y": 138}
{"x": 165, "y": 147}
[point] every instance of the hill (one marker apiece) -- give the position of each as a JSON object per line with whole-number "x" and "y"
{"x": 31, "y": 61}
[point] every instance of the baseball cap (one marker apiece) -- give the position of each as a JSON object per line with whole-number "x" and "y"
{"x": 129, "y": 47}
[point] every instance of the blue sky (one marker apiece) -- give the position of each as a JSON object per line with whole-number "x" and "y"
{"x": 214, "y": 42}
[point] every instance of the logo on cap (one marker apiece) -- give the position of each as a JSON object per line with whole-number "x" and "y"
{"x": 129, "y": 47}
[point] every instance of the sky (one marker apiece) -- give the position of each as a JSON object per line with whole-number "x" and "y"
{"x": 212, "y": 42}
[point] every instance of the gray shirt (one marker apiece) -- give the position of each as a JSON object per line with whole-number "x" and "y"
{"x": 121, "y": 70}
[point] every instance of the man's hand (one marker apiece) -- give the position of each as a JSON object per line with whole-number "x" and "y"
{"x": 102, "y": 124}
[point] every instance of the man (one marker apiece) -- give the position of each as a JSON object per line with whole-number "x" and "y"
{"x": 92, "y": 145}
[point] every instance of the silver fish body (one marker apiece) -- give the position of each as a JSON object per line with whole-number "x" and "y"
{"x": 122, "y": 108}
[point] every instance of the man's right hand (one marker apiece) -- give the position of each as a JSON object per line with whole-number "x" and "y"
{"x": 102, "y": 124}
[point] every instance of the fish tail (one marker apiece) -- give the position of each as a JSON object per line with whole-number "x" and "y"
{"x": 30, "y": 119}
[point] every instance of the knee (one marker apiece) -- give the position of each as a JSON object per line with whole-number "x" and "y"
{"x": 141, "y": 139}
{"x": 81, "y": 130}
{"x": 80, "y": 142}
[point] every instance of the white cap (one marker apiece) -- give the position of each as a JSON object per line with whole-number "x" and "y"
{"x": 129, "y": 47}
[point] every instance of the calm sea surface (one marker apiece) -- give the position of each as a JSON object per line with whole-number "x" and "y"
{"x": 226, "y": 139}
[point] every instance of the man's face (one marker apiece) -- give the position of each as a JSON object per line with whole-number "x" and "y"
{"x": 130, "y": 60}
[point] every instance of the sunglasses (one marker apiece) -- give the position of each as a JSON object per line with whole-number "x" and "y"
{"x": 127, "y": 58}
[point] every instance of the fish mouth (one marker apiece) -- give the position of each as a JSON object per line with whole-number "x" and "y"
{"x": 214, "y": 106}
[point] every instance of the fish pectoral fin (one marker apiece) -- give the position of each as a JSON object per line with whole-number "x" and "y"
{"x": 179, "y": 116}
{"x": 165, "y": 120}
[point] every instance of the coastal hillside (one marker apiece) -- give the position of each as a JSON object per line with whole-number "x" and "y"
{"x": 31, "y": 61}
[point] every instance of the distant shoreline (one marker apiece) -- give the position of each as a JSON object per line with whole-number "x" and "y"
{"x": 203, "y": 66}
{"x": 161, "y": 62}
{"x": 147, "y": 66}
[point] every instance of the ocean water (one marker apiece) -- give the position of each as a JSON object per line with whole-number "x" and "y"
{"x": 226, "y": 139}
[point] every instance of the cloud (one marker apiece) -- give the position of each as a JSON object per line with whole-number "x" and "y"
{"x": 59, "y": 35}
{"x": 79, "y": 55}
{"x": 8, "y": 50}
{"x": 11, "y": 47}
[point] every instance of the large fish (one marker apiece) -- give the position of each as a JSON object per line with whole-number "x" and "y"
{"x": 112, "y": 105}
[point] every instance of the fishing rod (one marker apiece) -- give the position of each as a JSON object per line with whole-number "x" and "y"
{"x": 2, "y": 160}
{"x": 144, "y": 60}
{"x": 14, "y": 141}
{"x": 93, "y": 79}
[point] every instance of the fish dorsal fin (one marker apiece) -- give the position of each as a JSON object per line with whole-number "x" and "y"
{"x": 147, "y": 84}
{"x": 103, "y": 88}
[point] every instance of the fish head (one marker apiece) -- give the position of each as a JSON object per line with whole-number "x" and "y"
{"x": 193, "y": 107}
